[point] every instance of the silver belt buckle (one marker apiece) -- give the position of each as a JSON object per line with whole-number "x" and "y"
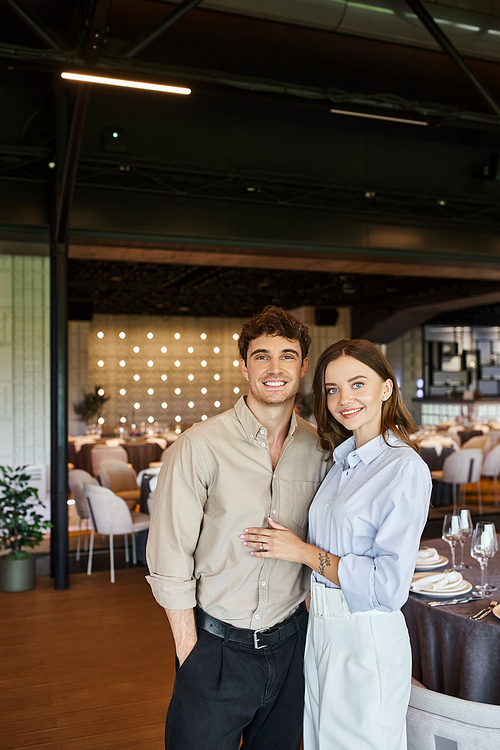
{"x": 256, "y": 638}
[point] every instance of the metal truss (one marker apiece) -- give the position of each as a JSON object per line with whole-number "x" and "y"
{"x": 194, "y": 181}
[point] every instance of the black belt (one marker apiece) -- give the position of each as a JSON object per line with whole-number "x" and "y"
{"x": 255, "y": 638}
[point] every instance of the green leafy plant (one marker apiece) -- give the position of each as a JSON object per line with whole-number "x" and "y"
{"x": 90, "y": 406}
{"x": 20, "y": 524}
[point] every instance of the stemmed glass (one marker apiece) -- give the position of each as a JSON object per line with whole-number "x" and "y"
{"x": 451, "y": 533}
{"x": 483, "y": 546}
{"x": 465, "y": 531}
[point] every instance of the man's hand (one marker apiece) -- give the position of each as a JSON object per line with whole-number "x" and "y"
{"x": 183, "y": 625}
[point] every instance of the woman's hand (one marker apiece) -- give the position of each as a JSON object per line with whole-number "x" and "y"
{"x": 277, "y": 542}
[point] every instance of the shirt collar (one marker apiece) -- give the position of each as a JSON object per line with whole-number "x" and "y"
{"x": 251, "y": 425}
{"x": 367, "y": 452}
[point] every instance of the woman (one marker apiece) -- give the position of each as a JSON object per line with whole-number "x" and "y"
{"x": 365, "y": 524}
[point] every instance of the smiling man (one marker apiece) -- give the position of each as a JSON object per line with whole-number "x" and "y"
{"x": 238, "y": 622}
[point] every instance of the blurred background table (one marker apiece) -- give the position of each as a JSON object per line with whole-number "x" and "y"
{"x": 452, "y": 654}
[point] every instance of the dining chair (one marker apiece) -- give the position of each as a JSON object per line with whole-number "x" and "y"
{"x": 491, "y": 468}
{"x": 441, "y": 722}
{"x": 460, "y": 468}
{"x": 77, "y": 479}
{"x": 122, "y": 480}
{"x": 482, "y": 442}
{"x": 100, "y": 453}
{"x": 109, "y": 515}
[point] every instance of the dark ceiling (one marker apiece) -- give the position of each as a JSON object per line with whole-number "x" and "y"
{"x": 165, "y": 289}
{"x": 257, "y": 132}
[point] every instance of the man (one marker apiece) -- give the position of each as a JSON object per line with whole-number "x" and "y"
{"x": 238, "y": 622}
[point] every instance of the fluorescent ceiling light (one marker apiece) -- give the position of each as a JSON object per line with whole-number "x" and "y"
{"x": 127, "y": 84}
{"x": 378, "y": 117}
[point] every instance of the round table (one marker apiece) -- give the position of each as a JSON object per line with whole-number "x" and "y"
{"x": 452, "y": 654}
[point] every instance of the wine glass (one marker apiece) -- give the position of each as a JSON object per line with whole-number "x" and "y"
{"x": 451, "y": 533}
{"x": 483, "y": 546}
{"x": 465, "y": 531}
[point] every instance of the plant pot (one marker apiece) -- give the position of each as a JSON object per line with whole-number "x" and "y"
{"x": 17, "y": 575}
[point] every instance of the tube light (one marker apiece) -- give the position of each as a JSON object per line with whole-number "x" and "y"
{"x": 84, "y": 78}
{"x": 378, "y": 117}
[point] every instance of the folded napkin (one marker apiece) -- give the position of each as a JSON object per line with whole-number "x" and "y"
{"x": 428, "y": 556}
{"x": 114, "y": 442}
{"x": 159, "y": 441}
{"x": 440, "y": 583}
{"x": 79, "y": 441}
{"x": 432, "y": 443}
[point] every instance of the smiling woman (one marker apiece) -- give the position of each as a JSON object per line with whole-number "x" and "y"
{"x": 365, "y": 524}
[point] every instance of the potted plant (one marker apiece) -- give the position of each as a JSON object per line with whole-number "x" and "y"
{"x": 90, "y": 407}
{"x": 21, "y": 527}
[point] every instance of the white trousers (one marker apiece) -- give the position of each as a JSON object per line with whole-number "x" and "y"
{"x": 358, "y": 676}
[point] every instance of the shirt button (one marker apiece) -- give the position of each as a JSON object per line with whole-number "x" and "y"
{"x": 262, "y": 432}
{"x": 263, "y": 583}
{"x": 257, "y": 617}
{"x": 251, "y": 436}
{"x": 263, "y": 445}
{"x": 274, "y": 511}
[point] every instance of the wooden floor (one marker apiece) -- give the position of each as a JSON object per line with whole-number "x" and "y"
{"x": 89, "y": 668}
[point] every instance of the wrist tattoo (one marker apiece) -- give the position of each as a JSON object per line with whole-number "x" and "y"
{"x": 324, "y": 562}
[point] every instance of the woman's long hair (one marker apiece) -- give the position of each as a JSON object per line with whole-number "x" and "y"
{"x": 395, "y": 417}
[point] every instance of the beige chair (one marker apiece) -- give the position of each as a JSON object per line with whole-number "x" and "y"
{"x": 482, "y": 442}
{"x": 460, "y": 468}
{"x": 77, "y": 479}
{"x": 100, "y": 453}
{"x": 440, "y": 722}
{"x": 122, "y": 480}
{"x": 491, "y": 468}
{"x": 157, "y": 464}
{"x": 110, "y": 516}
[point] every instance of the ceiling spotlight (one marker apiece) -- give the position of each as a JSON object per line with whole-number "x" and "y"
{"x": 164, "y": 405}
{"x": 122, "y": 391}
{"x": 236, "y": 336}
{"x": 83, "y": 78}
{"x": 122, "y": 334}
{"x": 441, "y": 203}
{"x": 163, "y": 350}
{"x": 137, "y": 405}
{"x": 203, "y": 336}
{"x": 100, "y": 392}
{"x": 177, "y": 335}
{"x": 151, "y": 420}
{"x": 150, "y": 334}
{"x": 100, "y": 363}
{"x": 178, "y": 418}
{"x": 150, "y": 363}
{"x": 136, "y": 350}
{"x": 164, "y": 376}
{"x": 100, "y": 334}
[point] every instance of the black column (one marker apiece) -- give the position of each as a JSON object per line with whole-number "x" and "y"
{"x": 59, "y": 363}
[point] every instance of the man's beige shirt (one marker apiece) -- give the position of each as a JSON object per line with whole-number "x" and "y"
{"x": 216, "y": 481}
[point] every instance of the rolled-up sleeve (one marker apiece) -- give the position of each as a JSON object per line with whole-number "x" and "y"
{"x": 381, "y": 580}
{"x": 176, "y": 520}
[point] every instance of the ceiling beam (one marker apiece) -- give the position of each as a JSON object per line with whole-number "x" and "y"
{"x": 93, "y": 46}
{"x": 432, "y": 27}
{"x": 400, "y": 321}
{"x": 36, "y": 26}
{"x": 155, "y": 31}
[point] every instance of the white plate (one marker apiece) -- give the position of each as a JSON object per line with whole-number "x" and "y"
{"x": 442, "y": 561}
{"x": 496, "y": 611}
{"x": 445, "y": 594}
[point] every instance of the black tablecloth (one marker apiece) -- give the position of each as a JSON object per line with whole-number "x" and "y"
{"x": 431, "y": 458}
{"x": 452, "y": 654}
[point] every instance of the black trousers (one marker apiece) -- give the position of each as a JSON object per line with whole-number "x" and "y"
{"x": 224, "y": 691}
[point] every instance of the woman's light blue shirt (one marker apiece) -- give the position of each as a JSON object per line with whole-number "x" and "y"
{"x": 370, "y": 511}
